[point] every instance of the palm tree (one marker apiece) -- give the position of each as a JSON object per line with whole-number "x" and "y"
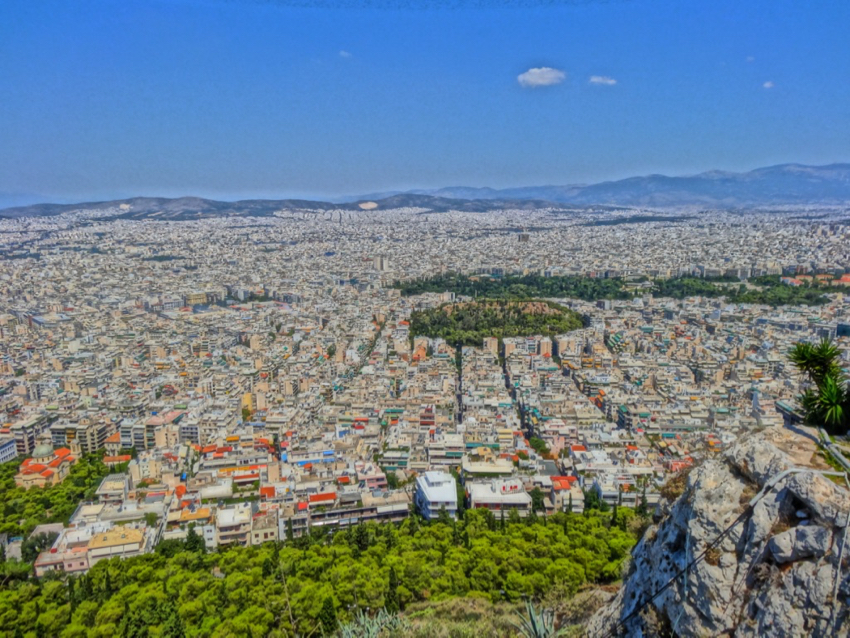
{"x": 829, "y": 404}
{"x": 818, "y": 361}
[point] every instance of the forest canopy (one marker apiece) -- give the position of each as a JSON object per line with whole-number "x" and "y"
{"x": 278, "y": 589}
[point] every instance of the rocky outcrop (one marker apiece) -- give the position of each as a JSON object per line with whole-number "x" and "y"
{"x": 774, "y": 569}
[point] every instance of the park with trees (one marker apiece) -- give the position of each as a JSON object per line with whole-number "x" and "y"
{"x": 469, "y": 323}
{"x": 768, "y": 290}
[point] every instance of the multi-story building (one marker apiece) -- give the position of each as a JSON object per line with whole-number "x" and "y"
{"x": 500, "y": 495}
{"x": 435, "y": 491}
{"x": 233, "y": 525}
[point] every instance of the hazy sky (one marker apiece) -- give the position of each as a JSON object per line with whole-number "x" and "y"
{"x": 230, "y": 98}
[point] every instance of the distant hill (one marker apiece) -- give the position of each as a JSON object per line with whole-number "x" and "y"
{"x": 771, "y": 186}
{"x": 186, "y": 208}
{"x": 774, "y": 185}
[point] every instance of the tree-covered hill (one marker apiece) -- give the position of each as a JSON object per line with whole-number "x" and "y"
{"x": 469, "y": 323}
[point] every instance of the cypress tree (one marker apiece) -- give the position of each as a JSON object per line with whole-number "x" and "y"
{"x": 392, "y": 604}
{"x": 290, "y": 534}
{"x": 327, "y": 617}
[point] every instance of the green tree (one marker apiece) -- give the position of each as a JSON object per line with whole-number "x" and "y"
{"x": 35, "y": 544}
{"x": 172, "y": 625}
{"x": 290, "y": 534}
{"x": 391, "y": 601}
{"x": 392, "y": 480}
{"x": 461, "y": 494}
{"x": 194, "y": 541}
{"x": 327, "y": 617}
{"x": 539, "y": 445}
{"x": 537, "y": 500}
{"x": 642, "y": 509}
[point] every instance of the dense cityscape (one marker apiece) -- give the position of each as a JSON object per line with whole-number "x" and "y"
{"x": 247, "y": 381}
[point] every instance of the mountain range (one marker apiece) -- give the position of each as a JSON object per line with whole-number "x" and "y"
{"x": 770, "y": 186}
{"x": 785, "y": 184}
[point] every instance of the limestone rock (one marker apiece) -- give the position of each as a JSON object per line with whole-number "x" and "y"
{"x": 772, "y": 573}
{"x": 800, "y": 542}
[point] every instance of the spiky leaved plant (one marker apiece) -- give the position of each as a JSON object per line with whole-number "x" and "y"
{"x": 537, "y": 625}
{"x": 381, "y": 625}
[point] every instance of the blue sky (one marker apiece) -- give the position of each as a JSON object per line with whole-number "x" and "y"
{"x": 241, "y": 98}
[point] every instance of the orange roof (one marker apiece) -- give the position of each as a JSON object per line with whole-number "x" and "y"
{"x": 562, "y": 482}
{"x": 180, "y": 490}
{"x": 267, "y": 491}
{"x": 62, "y": 451}
{"x": 326, "y": 497}
{"x": 115, "y": 438}
{"x": 121, "y": 458}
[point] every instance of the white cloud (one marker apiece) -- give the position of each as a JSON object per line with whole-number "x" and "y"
{"x": 768, "y": 84}
{"x": 543, "y": 76}
{"x": 602, "y": 79}
{"x": 344, "y": 54}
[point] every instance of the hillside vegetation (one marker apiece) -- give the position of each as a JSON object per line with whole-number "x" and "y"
{"x": 301, "y": 586}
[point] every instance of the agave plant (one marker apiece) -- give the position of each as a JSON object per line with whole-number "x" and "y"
{"x": 381, "y": 625}
{"x": 537, "y": 625}
{"x": 829, "y": 404}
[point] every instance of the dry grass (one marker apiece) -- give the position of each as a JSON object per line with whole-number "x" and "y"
{"x": 676, "y": 485}
{"x": 747, "y": 494}
{"x": 462, "y": 618}
{"x": 712, "y": 556}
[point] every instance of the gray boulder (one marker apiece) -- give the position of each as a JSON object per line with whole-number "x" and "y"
{"x": 773, "y": 572}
